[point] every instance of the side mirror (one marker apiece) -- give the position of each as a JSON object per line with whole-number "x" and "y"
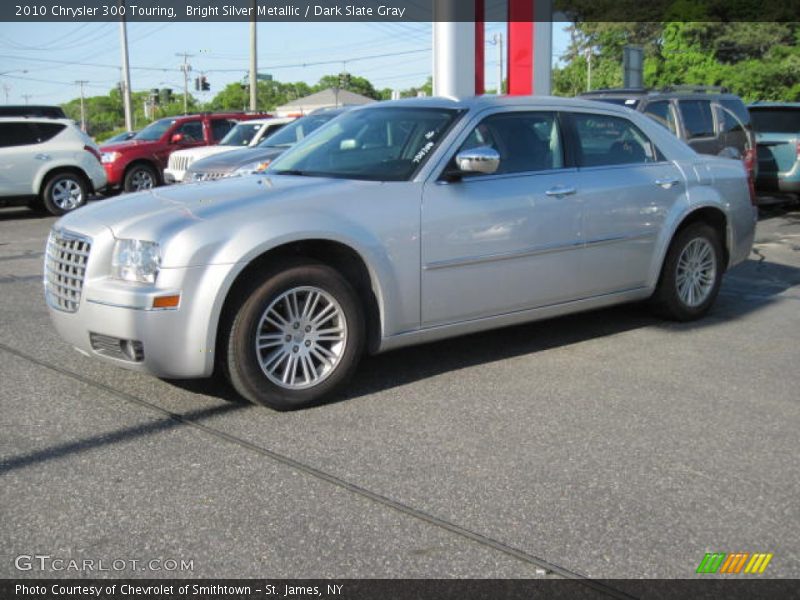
{"x": 176, "y": 138}
{"x": 478, "y": 160}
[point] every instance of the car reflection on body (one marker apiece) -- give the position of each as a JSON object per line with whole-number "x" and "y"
{"x": 396, "y": 224}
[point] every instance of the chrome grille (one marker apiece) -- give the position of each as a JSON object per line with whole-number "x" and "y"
{"x": 210, "y": 175}
{"x": 179, "y": 163}
{"x": 64, "y": 269}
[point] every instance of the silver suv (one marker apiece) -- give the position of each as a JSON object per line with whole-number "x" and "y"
{"x": 48, "y": 164}
{"x": 396, "y": 224}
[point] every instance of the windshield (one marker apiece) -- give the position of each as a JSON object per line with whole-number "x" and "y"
{"x": 154, "y": 131}
{"x": 293, "y": 133}
{"x": 776, "y": 120}
{"x": 378, "y": 144}
{"x": 241, "y": 135}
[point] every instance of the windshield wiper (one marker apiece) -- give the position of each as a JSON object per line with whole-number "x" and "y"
{"x": 291, "y": 172}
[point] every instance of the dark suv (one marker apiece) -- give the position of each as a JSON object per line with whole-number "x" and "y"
{"x": 709, "y": 119}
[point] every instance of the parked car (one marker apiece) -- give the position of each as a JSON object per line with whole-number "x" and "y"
{"x": 396, "y": 224}
{"x": 248, "y": 161}
{"x": 137, "y": 164}
{"x": 33, "y": 110}
{"x": 121, "y": 137}
{"x": 777, "y": 127}
{"x": 47, "y": 164}
{"x": 709, "y": 119}
{"x": 244, "y": 135}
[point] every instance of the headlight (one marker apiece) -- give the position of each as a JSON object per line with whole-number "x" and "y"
{"x": 109, "y": 157}
{"x": 252, "y": 168}
{"x": 135, "y": 260}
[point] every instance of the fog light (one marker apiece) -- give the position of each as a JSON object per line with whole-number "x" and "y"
{"x": 113, "y": 347}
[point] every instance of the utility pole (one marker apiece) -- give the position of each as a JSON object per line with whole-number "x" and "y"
{"x": 185, "y": 67}
{"x": 497, "y": 40}
{"x": 126, "y": 71}
{"x": 588, "y": 69}
{"x": 253, "y": 61}
{"x": 81, "y": 83}
{"x": 6, "y": 89}
{"x": 27, "y": 97}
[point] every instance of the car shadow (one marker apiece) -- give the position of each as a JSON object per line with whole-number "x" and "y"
{"x": 22, "y": 213}
{"x": 749, "y": 287}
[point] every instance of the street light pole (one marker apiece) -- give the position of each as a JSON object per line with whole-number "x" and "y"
{"x": 81, "y": 83}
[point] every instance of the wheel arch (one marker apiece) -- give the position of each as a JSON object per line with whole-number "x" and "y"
{"x": 67, "y": 168}
{"x": 336, "y": 254}
{"x": 143, "y": 161}
{"x": 711, "y": 214}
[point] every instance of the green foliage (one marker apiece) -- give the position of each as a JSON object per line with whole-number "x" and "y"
{"x": 756, "y": 60}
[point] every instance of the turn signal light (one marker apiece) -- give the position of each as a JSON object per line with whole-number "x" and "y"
{"x": 167, "y": 301}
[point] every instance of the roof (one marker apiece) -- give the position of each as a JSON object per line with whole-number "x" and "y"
{"x": 490, "y": 101}
{"x": 329, "y": 97}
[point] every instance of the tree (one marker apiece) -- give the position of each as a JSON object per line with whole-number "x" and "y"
{"x": 351, "y": 83}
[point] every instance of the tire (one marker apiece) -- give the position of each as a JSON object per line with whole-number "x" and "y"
{"x": 302, "y": 359}
{"x": 692, "y": 274}
{"x": 62, "y": 193}
{"x": 139, "y": 177}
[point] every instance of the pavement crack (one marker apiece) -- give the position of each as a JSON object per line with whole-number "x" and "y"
{"x": 339, "y": 482}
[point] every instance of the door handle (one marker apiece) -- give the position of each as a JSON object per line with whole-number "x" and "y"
{"x": 666, "y": 183}
{"x": 560, "y": 190}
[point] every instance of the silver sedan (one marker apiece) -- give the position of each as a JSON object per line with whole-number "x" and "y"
{"x": 396, "y": 224}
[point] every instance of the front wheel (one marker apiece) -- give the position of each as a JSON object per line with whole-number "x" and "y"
{"x": 295, "y": 337}
{"x": 691, "y": 275}
{"x": 139, "y": 177}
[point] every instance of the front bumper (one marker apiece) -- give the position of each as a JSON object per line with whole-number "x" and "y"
{"x": 114, "y": 173}
{"x": 176, "y": 343}
{"x": 173, "y": 176}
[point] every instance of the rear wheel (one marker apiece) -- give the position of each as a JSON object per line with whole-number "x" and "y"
{"x": 691, "y": 275}
{"x": 139, "y": 177}
{"x": 63, "y": 193}
{"x": 295, "y": 337}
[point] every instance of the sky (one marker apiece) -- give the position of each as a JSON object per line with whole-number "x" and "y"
{"x": 40, "y": 62}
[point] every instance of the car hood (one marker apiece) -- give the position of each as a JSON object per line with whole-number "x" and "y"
{"x": 203, "y": 151}
{"x": 190, "y": 220}
{"x": 232, "y": 160}
{"x": 127, "y": 145}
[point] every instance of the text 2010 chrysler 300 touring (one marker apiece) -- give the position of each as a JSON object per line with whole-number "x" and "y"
{"x": 395, "y": 224}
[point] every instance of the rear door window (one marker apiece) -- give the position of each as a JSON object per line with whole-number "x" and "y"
{"x": 661, "y": 112}
{"x": 697, "y": 118}
{"x": 605, "y": 140}
{"x": 220, "y": 128}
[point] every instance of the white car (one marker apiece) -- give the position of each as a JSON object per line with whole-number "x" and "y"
{"x": 244, "y": 135}
{"x": 47, "y": 164}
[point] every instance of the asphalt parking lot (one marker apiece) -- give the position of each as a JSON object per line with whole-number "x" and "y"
{"x": 608, "y": 444}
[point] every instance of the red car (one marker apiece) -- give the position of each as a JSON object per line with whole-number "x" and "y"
{"x": 137, "y": 164}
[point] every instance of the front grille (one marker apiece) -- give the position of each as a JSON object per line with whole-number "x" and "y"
{"x": 210, "y": 175}
{"x": 64, "y": 269}
{"x": 179, "y": 163}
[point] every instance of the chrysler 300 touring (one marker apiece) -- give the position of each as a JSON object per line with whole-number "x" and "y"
{"x": 396, "y": 224}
